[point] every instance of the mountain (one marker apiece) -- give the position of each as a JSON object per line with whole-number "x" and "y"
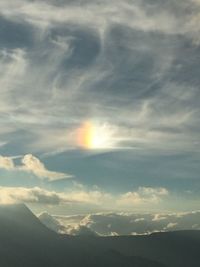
{"x": 26, "y": 242}
{"x": 174, "y": 249}
{"x": 23, "y": 238}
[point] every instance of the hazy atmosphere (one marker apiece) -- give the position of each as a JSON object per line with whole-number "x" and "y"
{"x": 100, "y": 114}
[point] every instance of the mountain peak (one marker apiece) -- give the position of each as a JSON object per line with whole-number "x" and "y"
{"x": 18, "y": 218}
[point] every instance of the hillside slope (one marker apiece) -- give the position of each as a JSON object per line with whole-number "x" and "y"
{"x": 25, "y": 241}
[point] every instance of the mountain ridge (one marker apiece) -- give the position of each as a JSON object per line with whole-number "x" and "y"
{"x": 25, "y": 241}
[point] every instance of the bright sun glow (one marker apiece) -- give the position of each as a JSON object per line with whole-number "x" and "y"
{"x": 94, "y": 136}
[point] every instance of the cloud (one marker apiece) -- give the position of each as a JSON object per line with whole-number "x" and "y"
{"x": 115, "y": 69}
{"x": 6, "y": 163}
{"x": 129, "y": 223}
{"x": 44, "y": 196}
{"x": 51, "y": 222}
{"x": 143, "y": 15}
{"x": 55, "y": 225}
{"x": 96, "y": 197}
{"x": 139, "y": 219}
{"x": 131, "y": 65}
{"x": 32, "y": 164}
{"x": 143, "y": 195}
{"x": 78, "y": 198}
{"x": 37, "y": 195}
{"x": 80, "y": 230}
{"x": 158, "y": 217}
{"x": 10, "y": 195}
{"x": 171, "y": 225}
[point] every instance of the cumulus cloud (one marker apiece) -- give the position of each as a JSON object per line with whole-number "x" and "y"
{"x": 75, "y": 197}
{"x": 143, "y": 195}
{"x": 10, "y": 195}
{"x": 43, "y": 196}
{"x": 6, "y": 163}
{"x": 33, "y": 165}
{"x": 90, "y": 196}
{"x": 54, "y": 224}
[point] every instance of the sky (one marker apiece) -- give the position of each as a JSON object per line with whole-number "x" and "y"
{"x": 99, "y": 105}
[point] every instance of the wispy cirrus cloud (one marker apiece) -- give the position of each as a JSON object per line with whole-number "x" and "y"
{"x": 129, "y": 86}
{"x": 130, "y": 65}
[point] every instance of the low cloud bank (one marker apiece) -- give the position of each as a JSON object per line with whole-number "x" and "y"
{"x": 140, "y": 197}
{"x": 109, "y": 224}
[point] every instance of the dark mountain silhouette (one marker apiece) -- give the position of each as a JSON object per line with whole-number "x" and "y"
{"x": 26, "y": 242}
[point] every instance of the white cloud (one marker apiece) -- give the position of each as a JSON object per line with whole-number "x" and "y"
{"x": 92, "y": 196}
{"x": 33, "y": 165}
{"x": 160, "y": 191}
{"x": 128, "y": 224}
{"x": 135, "y": 14}
{"x": 158, "y": 217}
{"x": 13, "y": 64}
{"x": 171, "y": 225}
{"x": 6, "y": 163}
{"x": 80, "y": 230}
{"x": 144, "y": 195}
{"x": 140, "y": 220}
{"x": 39, "y": 195}
{"x": 58, "y": 226}
{"x": 51, "y": 222}
{"x": 10, "y": 195}
{"x": 31, "y": 99}
{"x": 78, "y": 198}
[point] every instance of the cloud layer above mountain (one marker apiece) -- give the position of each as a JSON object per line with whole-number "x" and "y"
{"x": 106, "y": 224}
